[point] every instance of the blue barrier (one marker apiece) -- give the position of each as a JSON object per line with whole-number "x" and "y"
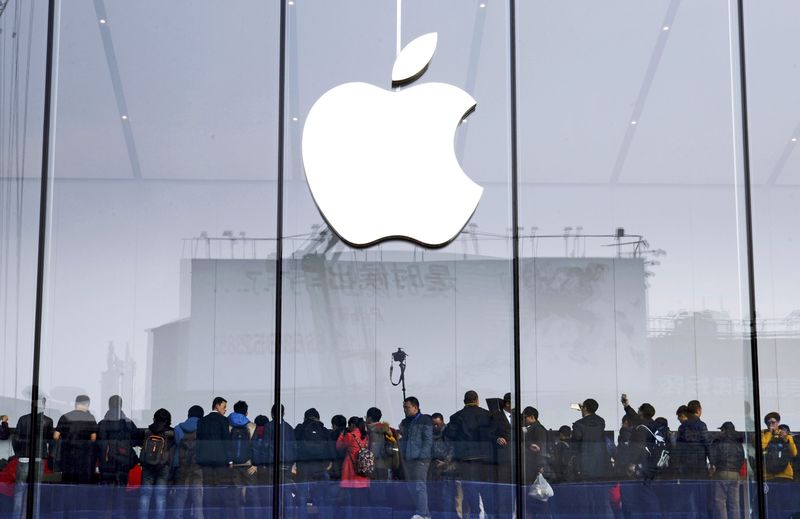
{"x": 662, "y": 499}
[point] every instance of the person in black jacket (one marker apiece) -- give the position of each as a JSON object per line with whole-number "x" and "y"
{"x": 638, "y": 495}
{"x": 468, "y": 432}
{"x": 727, "y": 457}
{"x": 535, "y": 451}
{"x": 594, "y": 462}
{"x": 116, "y": 437}
{"x": 157, "y": 451}
{"x": 314, "y": 455}
{"x": 215, "y": 458}
{"x": 22, "y": 449}
{"x": 692, "y": 447}
{"x": 502, "y": 435}
{"x": 288, "y": 453}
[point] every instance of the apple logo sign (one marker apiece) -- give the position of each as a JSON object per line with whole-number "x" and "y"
{"x": 381, "y": 164}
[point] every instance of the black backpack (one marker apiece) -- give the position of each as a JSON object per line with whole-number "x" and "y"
{"x": 313, "y": 442}
{"x": 242, "y": 446}
{"x": 116, "y": 447}
{"x": 657, "y": 453}
{"x": 776, "y": 456}
{"x": 262, "y": 452}
{"x": 187, "y": 450}
{"x": 155, "y": 451}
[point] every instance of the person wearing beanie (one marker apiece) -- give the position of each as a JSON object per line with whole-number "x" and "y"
{"x": 188, "y": 474}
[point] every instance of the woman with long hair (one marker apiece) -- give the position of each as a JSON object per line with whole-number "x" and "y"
{"x": 354, "y": 487}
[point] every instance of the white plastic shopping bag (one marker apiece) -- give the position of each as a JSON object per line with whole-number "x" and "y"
{"x": 541, "y": 489}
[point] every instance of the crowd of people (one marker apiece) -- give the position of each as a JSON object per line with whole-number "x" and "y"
{"x": 217, "y": 464}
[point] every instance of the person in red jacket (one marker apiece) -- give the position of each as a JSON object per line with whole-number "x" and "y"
{"x": 355, "y": 488}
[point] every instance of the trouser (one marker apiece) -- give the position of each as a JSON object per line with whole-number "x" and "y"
{"x": 188, "y": 485}
{"x": 355, "y": 502}
{"x": 154, "y": 484}
{"x": 313, "y": 487}
{"x": 218, "y": 498}
{"x": 378, "y": 488}
{"x": 639, "y": 500}
{"x": 114, "y": 484}
{"x": 21, "y": 485}
{"x": 596, "y": 500}
{"x": 474, "y": 486}
{"x": 726, "y": 494}
{"x": 243, "y": 477}
{"x": 417, "y": 476}
{"x": 440, "y": 490}
{"x": 194, "y": 494}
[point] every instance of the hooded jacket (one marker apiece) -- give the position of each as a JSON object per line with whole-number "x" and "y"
{"x": 117, "y": 433}
{"x": 589, "y": 441}
{"x": 239, "y": 421}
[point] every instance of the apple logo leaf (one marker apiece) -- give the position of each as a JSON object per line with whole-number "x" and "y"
{"x": 413, "y": 60}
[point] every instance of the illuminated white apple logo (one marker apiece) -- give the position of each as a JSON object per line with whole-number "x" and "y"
{"x": 381, "y": 165}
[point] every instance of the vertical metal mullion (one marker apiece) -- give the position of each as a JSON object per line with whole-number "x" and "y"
{"x": 278, "y": 421}
{"x": 34, "y": 440}
{"x": 750, "y": 264}
{"x": 517, "y": 432}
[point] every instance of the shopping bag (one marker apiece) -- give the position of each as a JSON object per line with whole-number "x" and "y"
{"x": 541, "y": 489}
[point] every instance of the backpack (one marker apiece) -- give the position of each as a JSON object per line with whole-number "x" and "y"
{"x": 565, "y": 462}
{"x": 116, "y": 449}
{"x": 364, "y": 462}
{"x": 187, "y": 450}
{"x": 312, "y": 442}
{"x": 656, "y": 453}
{"x": 776, "y": 457}
{"x": 262, "y": 451}
{"x": 155, "y": 452}
{"x": 242, "y": 445}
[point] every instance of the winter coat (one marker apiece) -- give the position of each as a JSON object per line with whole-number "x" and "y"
{"x": 693, "y": 448}
{"x": 416, "y": 442}
{"x": 535, "y": 434}
{"x": 377, "y": 443}
{"x": 727, "y": 453}
{"x": 313, "y": 449}
{"x": 116, "y": 432}
{"x": 238, "y": 420}
{"x": 589, "y": 442}
{"x": 186, "y": 473}
{"x": 468, "y": 431}
{"x": 349, "y": 443}
{"x": 788, "y": 472}
{"x": 213, "y": 441}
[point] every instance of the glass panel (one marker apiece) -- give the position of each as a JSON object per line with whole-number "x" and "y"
{"x": 633, "y": 272}
{"x": 773, "y": 83}
{"x": 348, "y": 312}
{"x": 22, "y": 65}
{"x": 161, "y": 263}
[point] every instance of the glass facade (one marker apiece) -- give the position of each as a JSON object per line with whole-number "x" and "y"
{"x": 611, "y": 334}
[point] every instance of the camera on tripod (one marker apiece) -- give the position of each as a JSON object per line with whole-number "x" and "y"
{"x": 399, "y": 355}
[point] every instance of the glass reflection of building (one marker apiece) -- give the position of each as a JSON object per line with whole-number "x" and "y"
{"x": 175, "y": 130}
